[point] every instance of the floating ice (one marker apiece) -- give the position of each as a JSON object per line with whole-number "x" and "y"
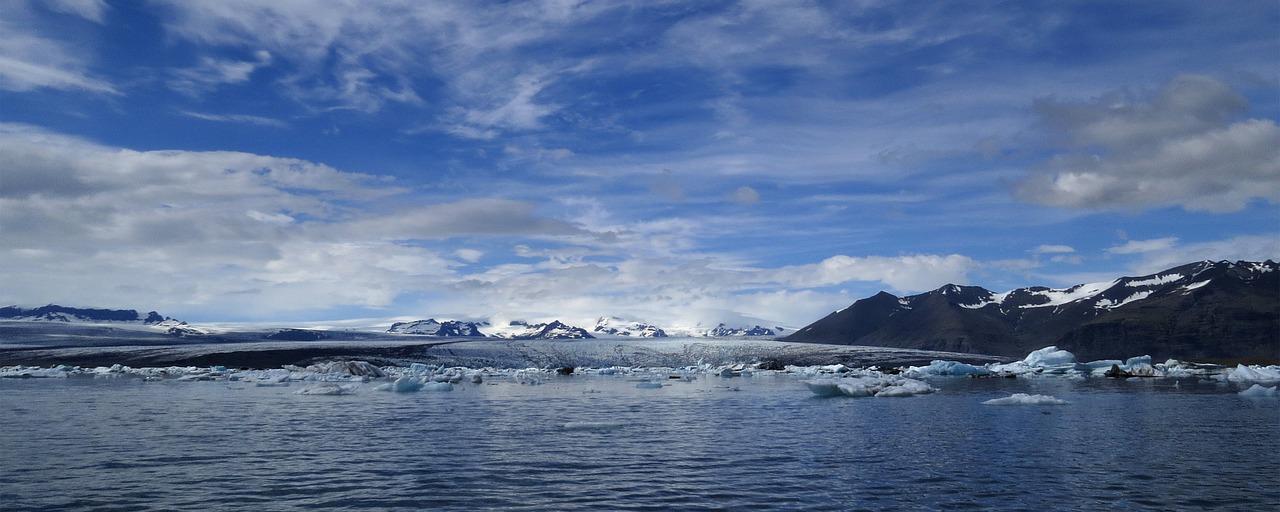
{"x": 1025, "y": 399}
{"x": 328, "y": 389}
{"x": 883, "y": 386}
{"x": 1048, "y": 357}
{"x": 1257, "y": 390}
{"x": 437, "y": 386}
{"x": 945, "y": 369}
{"x": 34, "y": 372}
{"x": 649, "y": 385}
{"x": 401, "y": 385}
{"x": 1254, "y": 373}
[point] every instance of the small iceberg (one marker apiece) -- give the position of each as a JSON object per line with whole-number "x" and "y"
{"x": 328, "y": 389}
{"x": 887, "y": 386}
{"x": 1254, "y": 373}
{"x": 1025, "y": 399}
{"x": 1257, "y": 391}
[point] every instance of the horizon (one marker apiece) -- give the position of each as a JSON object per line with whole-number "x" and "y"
{"x": 502, "y": 320}
{"x": 672, "y": 163}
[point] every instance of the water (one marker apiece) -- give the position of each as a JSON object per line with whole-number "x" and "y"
{"x": 755, "y": 443}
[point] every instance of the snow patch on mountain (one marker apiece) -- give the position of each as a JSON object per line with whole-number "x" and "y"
{"x": 554, "y": 330}
{"x": 431, "y": 327}
{"x": 619, "y": 327}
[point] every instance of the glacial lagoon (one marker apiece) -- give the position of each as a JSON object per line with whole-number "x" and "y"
{"x": 632, "y": 439}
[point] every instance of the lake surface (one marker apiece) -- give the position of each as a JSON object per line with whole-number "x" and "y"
{"x": 600, "y": 442}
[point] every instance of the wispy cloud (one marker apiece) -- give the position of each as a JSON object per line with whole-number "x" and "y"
{"x": 235, "y": 118}
{"x": 30, "y": 61}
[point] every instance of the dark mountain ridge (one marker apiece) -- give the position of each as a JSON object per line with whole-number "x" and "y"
{"x": 56, "y": 313}
{"x": 1199, "y": 311}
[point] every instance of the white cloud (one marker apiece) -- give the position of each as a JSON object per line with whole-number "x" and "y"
{"x": 744, "y": 195}
{"x": 914, "y": 273}
{"x": 1144, "y": 246}
{"x": 31, "y": 61}
{"x": 212, "y": 73}
{"x": 1180, "y": 146}
{"x": 235, "y": 118}
{"x": 1053, "y": 249}
{"x": 1163, "y": 253}
{"x": 92, "y": 10}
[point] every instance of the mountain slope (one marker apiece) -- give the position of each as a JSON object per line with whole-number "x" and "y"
{"x": 1204, "y": 310}
{"x": 56, "y": 313}
{"x": 430, "y": 327}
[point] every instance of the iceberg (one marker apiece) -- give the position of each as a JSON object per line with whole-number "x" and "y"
{"x": 1254, "y": 373}
{"x": 1048, "y": 360}
{"x": 401, "y": 385}
{"x": 328, "y": 389}
{"x": 882, "y": 386}
{"x": 946, "y": 369}
{"x": 1257, "y": 390}
{"x": 1025, "y": 399}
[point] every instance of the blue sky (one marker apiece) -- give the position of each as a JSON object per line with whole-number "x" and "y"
{"x": 672, "y": 162}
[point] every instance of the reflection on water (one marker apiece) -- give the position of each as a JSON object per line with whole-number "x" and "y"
{"x": 601, "y": 442}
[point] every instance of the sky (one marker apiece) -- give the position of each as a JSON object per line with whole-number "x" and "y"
{"x": 670, "y": 162}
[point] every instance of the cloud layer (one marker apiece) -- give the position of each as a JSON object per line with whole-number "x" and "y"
{"x": 1184, "y": 145}
{"x": 675, "y": 161}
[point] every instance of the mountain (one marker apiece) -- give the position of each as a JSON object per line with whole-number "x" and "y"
{"x": 724, "y": 331}
{"x": 1199, "y": 311}
{"x": 619, "y": 327}
{"x": 55, "y": 313}
{"x": 430, "y": 327}
{"x": 555, "y": 330}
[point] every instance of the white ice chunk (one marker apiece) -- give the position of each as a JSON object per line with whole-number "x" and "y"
{"x": 437, "y": 386}
{"x": 945, "y": 369}
{"x": 1049, "y": 356}
{"x": 1025, "y": 399}
{"x": 1254, "y": 373}
{"x": 883, "y": 386}
{"x": 1257, "y": 390}
{"x": 401, "y": 385}
{"x": 327, "y": 388}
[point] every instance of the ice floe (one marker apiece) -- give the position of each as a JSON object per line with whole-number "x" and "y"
{"x": 1246, "y": 374}
{"x": 1026, "y": 399}
{"x": 880, "y": 386}
{"x": 1257, "y": 390}
{"x": 345, "y": 376}
{"x": 328, "y": 389}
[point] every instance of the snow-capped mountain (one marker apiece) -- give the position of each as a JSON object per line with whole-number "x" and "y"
{"x": 1199, "y": 310}
{"x": 724, "y": 331}
{"x": 555, "y": 330}
{"x": 615, "y": 326}
{"x": 124, "y": 318}
{"x": 431, "y": 327}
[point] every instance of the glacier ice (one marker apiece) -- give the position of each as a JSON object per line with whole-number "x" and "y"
{"x": 946, "y": 369}
{"x": 881, "y": 386}
{"x": 401, "y": 385}
{"x": 1026, "y": 399}
{"x": 328, "y": 388}
{"x": 1257, "y": 390}
{"x": 1263, "y": 374}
